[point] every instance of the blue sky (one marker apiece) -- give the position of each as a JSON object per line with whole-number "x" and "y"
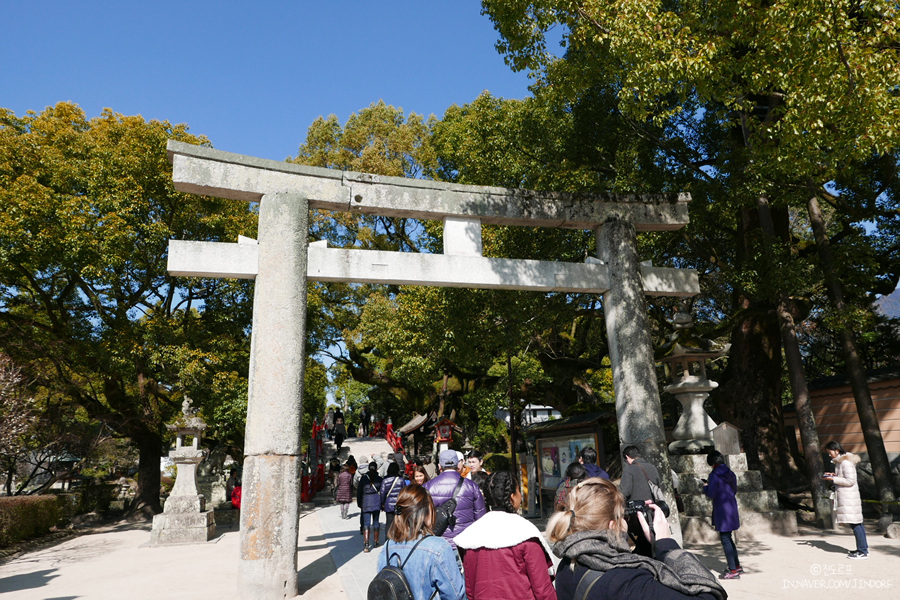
{"x": 251, "y": 77}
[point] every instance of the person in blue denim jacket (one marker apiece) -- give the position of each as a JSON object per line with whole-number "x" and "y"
{"x": 434, "y": 566}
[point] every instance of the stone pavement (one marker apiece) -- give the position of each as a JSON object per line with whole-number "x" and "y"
{"x": 114, "y": 563}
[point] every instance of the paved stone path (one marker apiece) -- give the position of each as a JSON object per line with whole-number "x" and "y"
{"x": 114, "y": 563}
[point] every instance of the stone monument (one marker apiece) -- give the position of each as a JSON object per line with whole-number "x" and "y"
{"x": 696, "y": 434}
{"x": 690, "y": 386}
{"x": 184, "y": 518}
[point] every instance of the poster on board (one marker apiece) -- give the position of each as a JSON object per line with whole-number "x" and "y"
{"x": 564, "y": 458}
{"x": 550, "y": 462}
{"x": 555, "y": 455}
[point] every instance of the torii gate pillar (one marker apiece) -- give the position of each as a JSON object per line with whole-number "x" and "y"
{"x": 638, "y": 412}
{"x": 270, "y": 506}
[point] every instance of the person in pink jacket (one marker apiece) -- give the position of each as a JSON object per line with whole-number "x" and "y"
{"x": 505, "y": 557}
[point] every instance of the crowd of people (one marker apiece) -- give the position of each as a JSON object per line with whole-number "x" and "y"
{"x": 487, "y": 550}
{"x": 338, "y": 428}
{"x": 613, "y": 540}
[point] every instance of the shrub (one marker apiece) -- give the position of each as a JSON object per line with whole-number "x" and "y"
{"x": 22, "y": 517}
{"x": 96, "y": 497}
{"x": 497, "y": 462}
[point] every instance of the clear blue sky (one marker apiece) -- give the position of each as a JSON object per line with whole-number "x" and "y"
{"x": 250, "y": 76}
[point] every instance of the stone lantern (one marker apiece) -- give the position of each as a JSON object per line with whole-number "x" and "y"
{"x": 687, "y": 355}
{"x": 184, "y": 518}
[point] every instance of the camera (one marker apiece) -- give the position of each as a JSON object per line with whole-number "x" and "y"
{"x": 633, "y": 506}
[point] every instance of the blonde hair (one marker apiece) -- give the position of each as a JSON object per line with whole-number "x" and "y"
{"x": 591, "y": 505}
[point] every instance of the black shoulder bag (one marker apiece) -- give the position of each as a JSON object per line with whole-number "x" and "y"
{"x": 444, "y": 517}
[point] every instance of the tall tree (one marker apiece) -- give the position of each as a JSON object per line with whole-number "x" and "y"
{"x": 789, "y": 113}
{"x": 86, "y": 305}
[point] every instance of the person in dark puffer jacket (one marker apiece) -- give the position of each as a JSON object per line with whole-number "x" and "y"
{"x": 390, "y": 489}
{"x": 469, "y": 503}
{"x": 368, "y": 498}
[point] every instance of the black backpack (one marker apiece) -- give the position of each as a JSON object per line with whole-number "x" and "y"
{"x": 390, "y": 583}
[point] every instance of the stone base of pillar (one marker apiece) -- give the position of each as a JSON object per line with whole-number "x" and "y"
{"x": 269, "y": 526}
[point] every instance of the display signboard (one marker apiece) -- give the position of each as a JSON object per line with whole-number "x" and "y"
{"x": 556, "y": 453}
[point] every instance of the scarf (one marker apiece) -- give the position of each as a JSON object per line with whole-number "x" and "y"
{"x": 604, "y": 550}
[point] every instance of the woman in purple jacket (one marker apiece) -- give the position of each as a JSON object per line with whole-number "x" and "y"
{"x": 721, "y": 488}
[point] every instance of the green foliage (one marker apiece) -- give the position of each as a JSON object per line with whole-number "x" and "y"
{"x": 111, "y": 458}
{"x": 22, "y": 517}
{"x": 488, "y": 434}
{"x": 740, "y": 100}
{"x": 827, "y": 69}
{"x": 497, "y": 462}
{"x": 86, "y": 305}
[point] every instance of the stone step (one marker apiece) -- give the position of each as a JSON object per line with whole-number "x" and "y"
{"x": 758, "y": 501}
{"x": 699, "y": 530}
{"x": 696, "y": 463}
{"x": 747, "y": 481}
{"x": 182, "y": 528}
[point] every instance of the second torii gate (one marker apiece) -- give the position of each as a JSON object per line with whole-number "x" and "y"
{"x": 281, "y": 261}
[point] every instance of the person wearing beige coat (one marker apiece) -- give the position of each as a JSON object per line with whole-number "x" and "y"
{"x": 849, "y": 504}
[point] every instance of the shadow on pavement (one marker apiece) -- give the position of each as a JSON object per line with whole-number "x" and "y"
{"x": 824, "y": 546}
{"x": 27, "y": 581}
{"x": 884, "y": 548}
{"x": 713, "y": 557}
{"x": 344, "y": 546}
{"x": 314, "y": 573}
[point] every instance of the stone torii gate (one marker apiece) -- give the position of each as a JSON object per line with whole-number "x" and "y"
{"x": 282, "y": 262}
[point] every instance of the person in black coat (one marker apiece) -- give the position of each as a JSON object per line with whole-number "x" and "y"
{"x": 590, "y": 538}
{"x": 637, "y": 474}
{"x": 340, "y": 432}
{"x": 390, "y": 490}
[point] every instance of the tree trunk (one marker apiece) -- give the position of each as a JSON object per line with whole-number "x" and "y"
{"x": 514, "y": 415}
{"x": 881, "y": 468}
{"x": 750, "y": 394}
{"x": 10, "y": 471}
{"x": 805, "y": 418}
{"x": 146, "y": 500}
